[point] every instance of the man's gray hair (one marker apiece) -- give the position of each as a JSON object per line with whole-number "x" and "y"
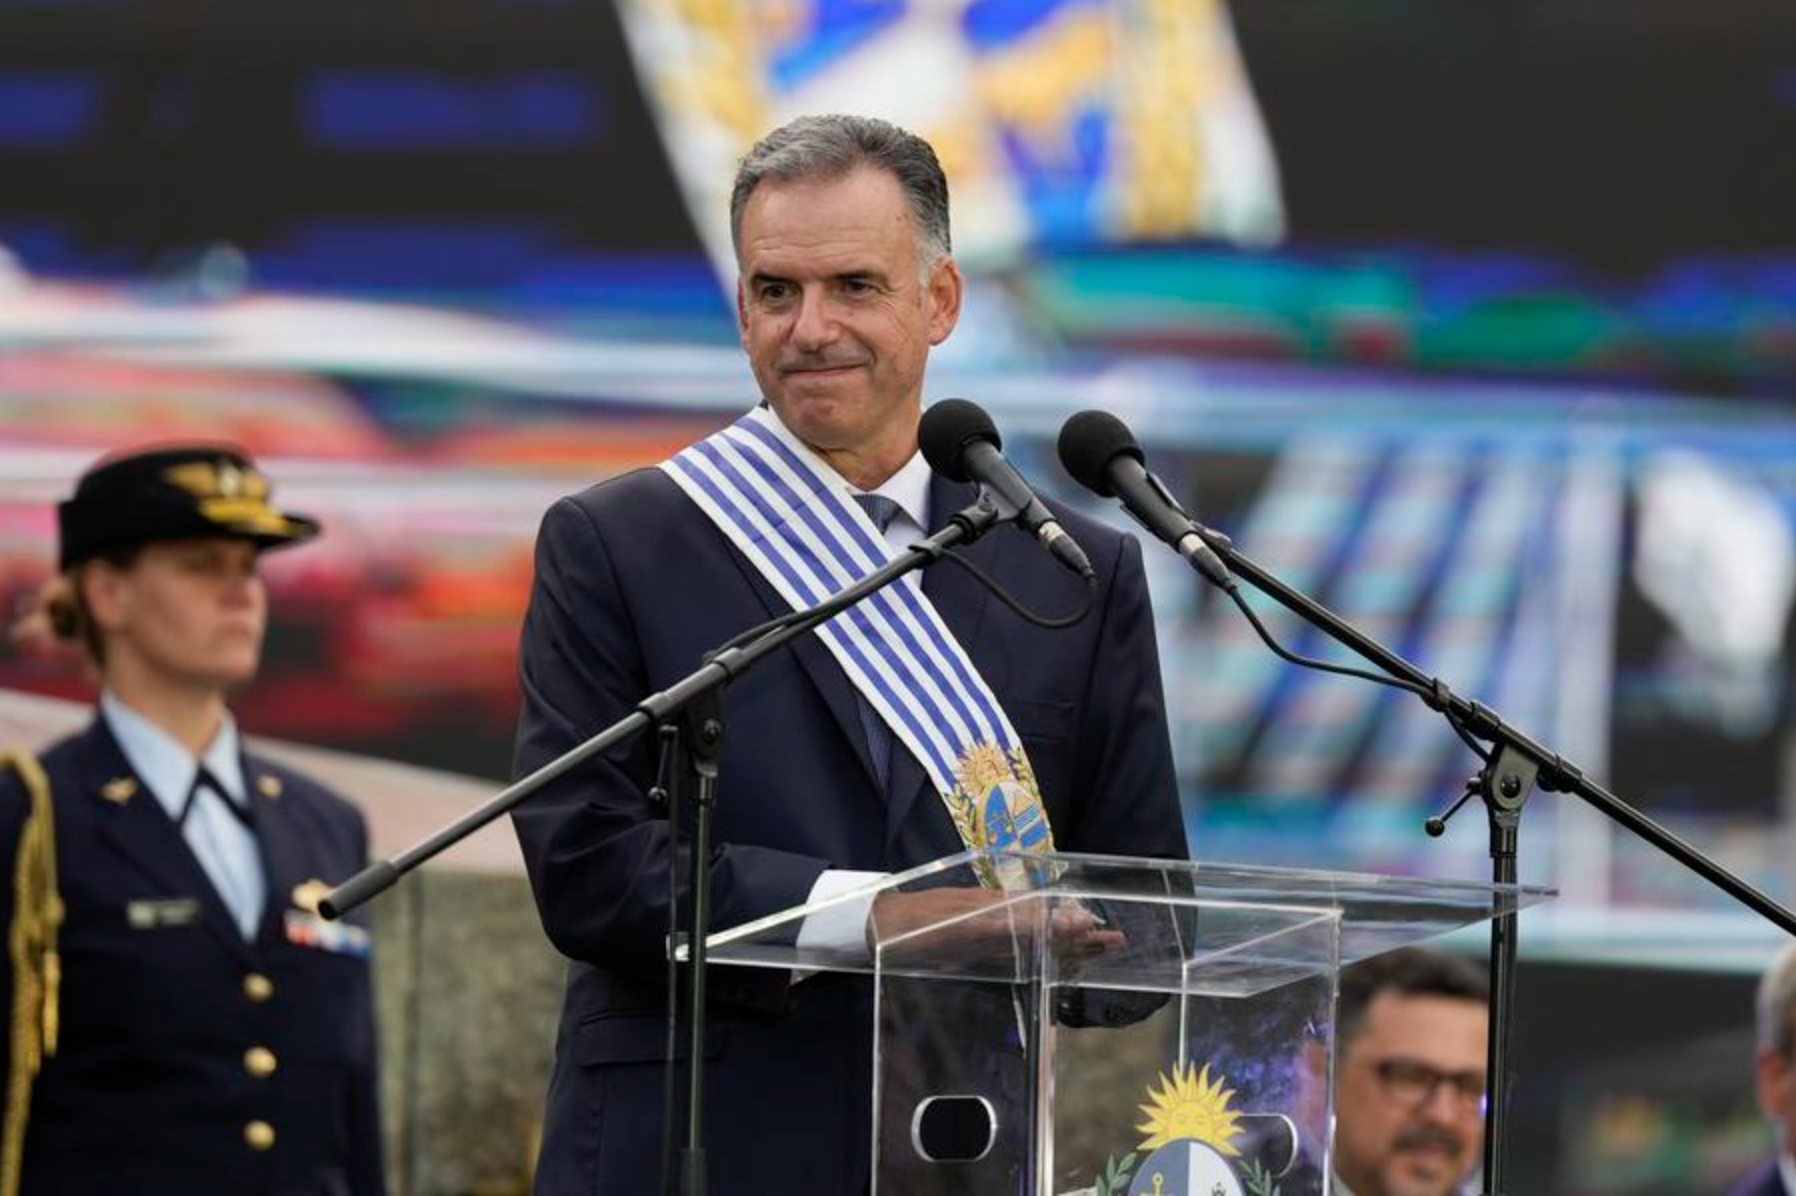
{"x": 829, "y": 147}
{"x": 1777, "y": 1004}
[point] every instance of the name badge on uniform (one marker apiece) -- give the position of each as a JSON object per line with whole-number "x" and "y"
{"x": 152, "y": 915}
{"x": 309, "y": 930}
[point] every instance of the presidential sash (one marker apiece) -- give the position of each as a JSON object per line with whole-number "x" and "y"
{"x": 791, "y": 516}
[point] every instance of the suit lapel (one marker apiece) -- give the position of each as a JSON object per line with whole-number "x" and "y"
{"x": 960, "y": 601}
{"x": 130, "y": 819}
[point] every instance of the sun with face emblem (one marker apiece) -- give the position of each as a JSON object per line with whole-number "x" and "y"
{"x": 1189, "y": 1106}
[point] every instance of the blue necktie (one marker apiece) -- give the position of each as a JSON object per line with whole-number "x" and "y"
{"x": 881, "y": 510}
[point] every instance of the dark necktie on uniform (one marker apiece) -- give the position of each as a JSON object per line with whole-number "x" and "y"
{"x": 204, "y": 779}
{"x": 881, "y": 510}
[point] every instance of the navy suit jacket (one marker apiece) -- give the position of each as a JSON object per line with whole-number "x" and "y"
{"x": 162, "y": 999}
{"x": 1766, "y": 1181}
{"x": 633, "y": 584}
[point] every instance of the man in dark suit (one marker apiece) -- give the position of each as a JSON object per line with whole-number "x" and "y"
{"x": 845, "y": 283}
{"x": 182, "y": 1021}
{"x": 1776, "y": 1067}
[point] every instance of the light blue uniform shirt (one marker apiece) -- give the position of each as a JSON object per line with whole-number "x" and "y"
{"x": 222, "y": 842}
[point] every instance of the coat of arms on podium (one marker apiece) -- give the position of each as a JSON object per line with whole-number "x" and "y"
{"x": 1189, "y": 1144}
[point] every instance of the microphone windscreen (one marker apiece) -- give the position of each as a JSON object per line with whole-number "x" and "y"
{"x": 946, "y": 430}
{"x": 1089, "y": 441}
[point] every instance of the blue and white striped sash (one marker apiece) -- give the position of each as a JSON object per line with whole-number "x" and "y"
{"x": 788, "y": 514}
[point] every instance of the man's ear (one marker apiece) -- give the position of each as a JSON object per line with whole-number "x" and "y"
{"x": 945, "y": 289}
{"x": 741, "y": 312}
{"x": 1776, "y": 1085}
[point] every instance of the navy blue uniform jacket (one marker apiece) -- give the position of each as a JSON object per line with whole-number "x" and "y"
{"x": 633, "y": 584}
{"x": 153, "y": 1084}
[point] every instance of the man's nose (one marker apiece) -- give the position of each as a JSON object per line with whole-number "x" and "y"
{"x": 815, "y": 326}
{"x": 1445, "y": 1105}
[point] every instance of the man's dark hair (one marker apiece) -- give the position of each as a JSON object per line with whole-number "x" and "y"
{"x": 1408, "y": 972}
{"x": 829, "y": 147}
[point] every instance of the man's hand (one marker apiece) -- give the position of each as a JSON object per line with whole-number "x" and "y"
{"x": 979, "y": 924}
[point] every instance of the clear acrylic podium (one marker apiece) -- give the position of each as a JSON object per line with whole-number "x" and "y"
{"x": 1109, "y": 1026}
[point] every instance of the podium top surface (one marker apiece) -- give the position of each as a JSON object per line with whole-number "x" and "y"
{"x": 1111, "y": 921}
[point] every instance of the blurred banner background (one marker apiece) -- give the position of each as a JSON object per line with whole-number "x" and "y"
{"x": 1477, "y": 321}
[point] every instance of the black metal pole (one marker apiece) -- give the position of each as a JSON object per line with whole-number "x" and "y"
{"x": 704, "y": 729}
{"x": 382, "y": 875}
{"x": 1505, "y": 784}
{"x": 664, "y": 793}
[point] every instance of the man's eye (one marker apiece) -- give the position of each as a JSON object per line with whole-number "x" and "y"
{"x": 1401, "y": 1072}
{"x": 773, "y": 292}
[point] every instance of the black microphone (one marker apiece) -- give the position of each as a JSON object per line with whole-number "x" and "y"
{"x": 1101, "y": 454}
{"x": 960, "y": 442}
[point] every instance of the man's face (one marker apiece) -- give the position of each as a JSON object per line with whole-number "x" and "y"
{"x": 1777, "y": 1091}
{"x": 1409, "y": 1116}
{"x": 835, "y": 312}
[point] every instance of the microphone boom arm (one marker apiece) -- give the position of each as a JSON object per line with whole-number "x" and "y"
{"x": 1555, "y": 772}
{"x": 717, "y": 672}
{"x": 1514, "y": 766}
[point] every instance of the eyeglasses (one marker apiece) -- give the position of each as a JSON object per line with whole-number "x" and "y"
{"x": 1414, "y": 1083}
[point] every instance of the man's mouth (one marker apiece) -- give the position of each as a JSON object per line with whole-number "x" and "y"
{"x": 822, "y": 368}
{"x": 1442, "y": 1145}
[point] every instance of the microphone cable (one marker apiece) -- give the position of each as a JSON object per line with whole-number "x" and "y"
{"x": 1047, "y": 622}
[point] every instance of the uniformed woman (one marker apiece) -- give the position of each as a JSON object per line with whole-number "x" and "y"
{"x": 181, "y": 1019}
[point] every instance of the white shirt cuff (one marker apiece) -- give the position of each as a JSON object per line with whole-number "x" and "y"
{"x": 841, "y": 927}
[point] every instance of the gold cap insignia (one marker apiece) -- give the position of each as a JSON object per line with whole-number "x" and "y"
{"x": 230, "y": 496}
{"x": 307, "y": 896}
{"x": 230, "y": 481}
{"x": 269, "y": 786}
{"x": 119, "y": 790}
{"x": 221, "y": 479}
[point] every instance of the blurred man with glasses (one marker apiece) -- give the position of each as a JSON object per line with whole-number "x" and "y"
{"x": 1776, "y": 1066}
{"x": 1409, "y": 1084}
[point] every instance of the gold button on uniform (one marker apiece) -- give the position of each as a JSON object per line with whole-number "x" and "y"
{"x": 258, "y": 987}
{"x": 259, "y": 1135}
{"x": 259, "y": 1062}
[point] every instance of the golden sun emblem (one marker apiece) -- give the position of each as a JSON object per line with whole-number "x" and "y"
{"x": 1189, "y": 1105}
{"x": 982, "y": 766}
